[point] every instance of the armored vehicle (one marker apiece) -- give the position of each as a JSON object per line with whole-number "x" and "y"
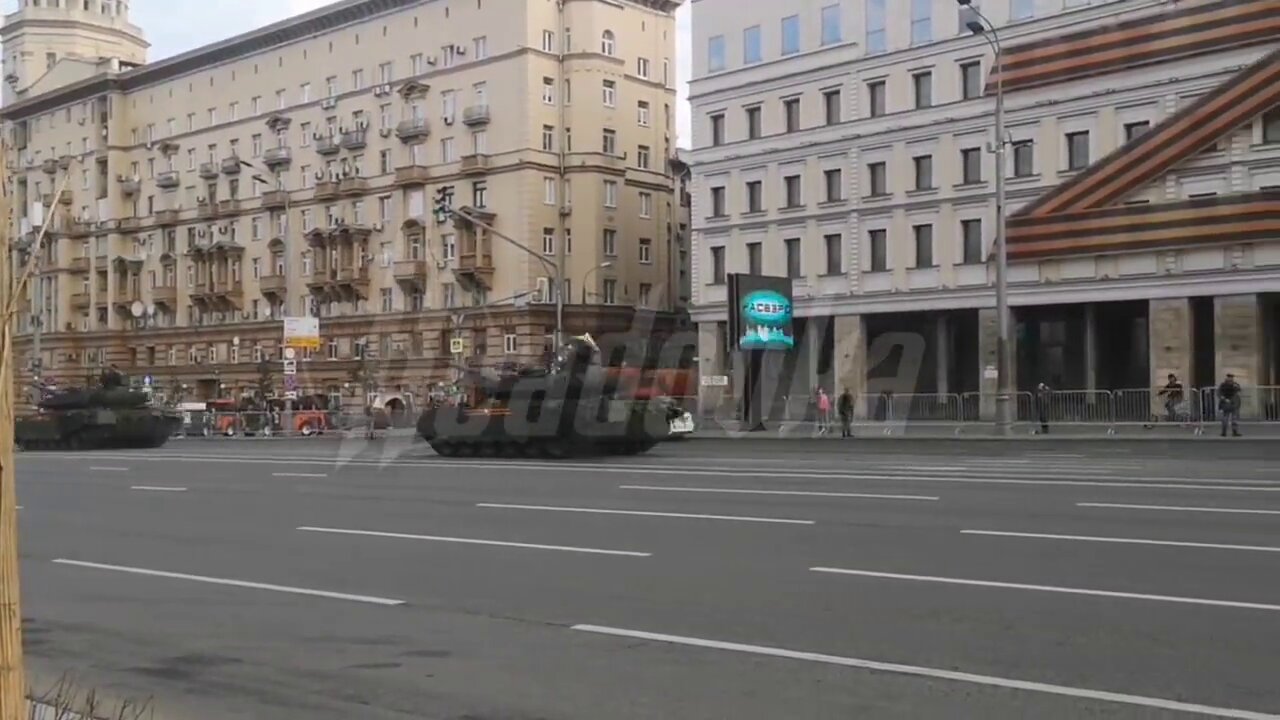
{"x": 572, "y": 408}
{"x": 109, "y": 416}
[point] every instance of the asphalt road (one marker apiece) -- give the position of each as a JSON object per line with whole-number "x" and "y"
{"x": 316, "y": 579}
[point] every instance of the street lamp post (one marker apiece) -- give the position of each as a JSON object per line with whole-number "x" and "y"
{"x": 587, "y": 276}
{"x": 978, "y": 24}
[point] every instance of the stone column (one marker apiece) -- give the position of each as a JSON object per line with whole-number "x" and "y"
{"x": 1171, "y": 340}
{"x": 942, "y": 353}
{"x": 851, "y": 359}
{"x": 1091, "y": 347}
{"x": 711, "y": 361}
{"x": 988, "y": 349}
{"x": 1238, "y": 344}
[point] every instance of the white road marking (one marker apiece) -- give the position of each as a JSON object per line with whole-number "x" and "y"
{"x": 1132, "y": 541}
{"x": 233, "y": 583}
{"x": 1179, "y": 508}
{"x": 470, "y": 541}
{"x": 299, "y": 475}
{"x": 109, "y": 469}
{"x": 646, "y": 513}
{"x": 934, "y": 673}
{"x": 801, "y": 493}
{"x": 1051, "y": 588}
{"x": 155, "y": 488}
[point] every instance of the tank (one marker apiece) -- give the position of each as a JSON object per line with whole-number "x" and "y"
{"x": 570, "y": 409}
{"x": 103, "y": 417}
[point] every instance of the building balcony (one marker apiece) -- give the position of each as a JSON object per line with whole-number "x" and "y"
{"x": 200, "y": 292}
{"x": 80, "y": 300}
{"x": 64, "y": 162}
{"x": 229, "y": 291}
{"x": 273, "y": 285}
{"x": 206, "y": 211}
{"x": 231, "y": 165}
{"x": 130, "y": 223}
{"x": 130, "y": 186}
{"x": 275, "y": 199}
{"x": 411, "y": 272}
{"x": 230, "y": 205}
{"x": 476, "y": 115}
{"x": 355, "y": 279}
{"x": 126, "y": 297}
{"x": 475, "y": 164}
{"x": 50, "y": 166}
{"x": 167, "y": 217}
{"x": 355, "y": 139}
{"x": 475, "y": 268}
{"x": 277, "y": 157}
{"x": 79, "y": 264}
{"x": 413, "y": 175}
{"x": 326, "y": 189}
{"x": 62, "y": 199}
{"x": 168, "y": 180}
{"x": 77, "y": 228}
{"x": 353, "y": 186}
{"x": 328, "y": 145}
{"x": 165, "y": 295}
{"x": 209, "y": 171}
{"x": 413, "y": 129}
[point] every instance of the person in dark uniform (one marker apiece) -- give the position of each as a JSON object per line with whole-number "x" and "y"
{"x": 1229, "y": 405}
{"x": 112, "y": 378}
{"x": 1172, "y": 394}
{"x": 844, "y": 406}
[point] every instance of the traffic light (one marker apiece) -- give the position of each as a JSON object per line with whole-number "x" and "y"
{"x": 443, "y": 204}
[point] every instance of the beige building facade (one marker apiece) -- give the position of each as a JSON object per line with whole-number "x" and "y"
{"x": 849, "y": 145}
{"x": 294, "y": 170}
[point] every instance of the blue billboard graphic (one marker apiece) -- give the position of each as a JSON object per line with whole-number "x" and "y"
{"x": 765, "y": 321}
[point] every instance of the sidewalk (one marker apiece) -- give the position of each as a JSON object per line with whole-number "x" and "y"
{"x": 806, "y": 430}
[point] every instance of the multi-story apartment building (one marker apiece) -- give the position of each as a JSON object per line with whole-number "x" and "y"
{"x": 194, "y": 203}
{"x": 849, "y": 145}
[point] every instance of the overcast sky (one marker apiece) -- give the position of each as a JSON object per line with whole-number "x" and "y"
{"x": 174, "y": 26}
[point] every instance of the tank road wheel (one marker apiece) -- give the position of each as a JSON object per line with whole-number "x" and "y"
{"x": 465, "y": 448}
{"x": 486, "y": 448}
{"x": 75, "y": 442}
{"x": 555, "y": 449}
{"x": 443, "y": 449}
{"x": 511, "y": 449}
{"x": 531, "y": 449}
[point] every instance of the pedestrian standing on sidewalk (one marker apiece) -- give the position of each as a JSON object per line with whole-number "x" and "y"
{"x": 844, "y": 406}
{"x": 1043, "y": 396}
{"x": 1229, "y": 405}
{"x": 824, "y": 411}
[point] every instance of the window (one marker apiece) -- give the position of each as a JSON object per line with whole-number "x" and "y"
{"x": 1023, "y": 9}
{"x": 643, "y": 157}
{"x": 971, "y": 236}
{"x": 791, "y": 112}
{"x": 924, "y": 245}
{"x": 642, "y": 113}
{"x": 831, "y": 31}
{"x": 717, "y": 129}
{"x": 646, "y": 251}
{"x": 609, "y": 142}
{"x": 717, "y": 202}
{"x": 510, "y": 343}
{"x": 610, "y": 95}
{"x": 646, "y": 292}
{"x": 921, "y": 21}
{"x": 548, "y": 138}
{"x": 609, "y": 291}
{"x": 1134, "y": 129}
{"x": 548, "y": 241}
{"x": 715, "y": 54}
{"x": 717, "y": 265}
{"x": 755, "y": 196}
{"x": 876, "y": 98}
{"x": 831, "y": 110}
{"x": 481, "y": 48}
{"x": 1077, "y": 150}
{"x": 922, "y": 87}
{"x": 448, "y": 56}
{"x": 793, "y": 257}
{"x": 971, "y": 165}
{"x": 646, "y": 205}
{"x": 924, "y": 172}
{"x": 642, "y": 68}
{"x": 971, "y": 80}
{"x": 878, "y": 178}
{"x": 1271, "y": 126}
{"x": 548, "y": 91}
{"x": 791, "y": 35}
{"x": 876, "y": 37}
{"x": 548, "y": 41}
{"x": 549, "y": 191}
{"x": 610, "y": 194}
{"x": 331, "y": 86}
{"x": 751, "y": 47}
{"x": 753, "y": 258}
{"x": 833, "y": 180}
{"x": 1023, "y": 159}
{"x": 791, "y": 187}
{"x": 610, "y": 242}
{"x": 879, "y": 242}
{"x": 608, "y": 43}
{"x": 480, "y": 194}
{"x": 754, "y": 125}
{"x": 833, "y": 244}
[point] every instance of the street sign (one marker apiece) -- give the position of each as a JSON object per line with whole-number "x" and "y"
{"x": 457, "y": 346}
{"x": 290, "y": 353}
{"x": 302, "y": 332}
{"x": 290, "y": 367}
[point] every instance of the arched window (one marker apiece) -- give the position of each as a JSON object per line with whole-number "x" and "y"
{"x": 608, "y": 45}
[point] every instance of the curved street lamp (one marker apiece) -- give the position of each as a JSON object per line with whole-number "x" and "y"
{"x": 587, "y": 276}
